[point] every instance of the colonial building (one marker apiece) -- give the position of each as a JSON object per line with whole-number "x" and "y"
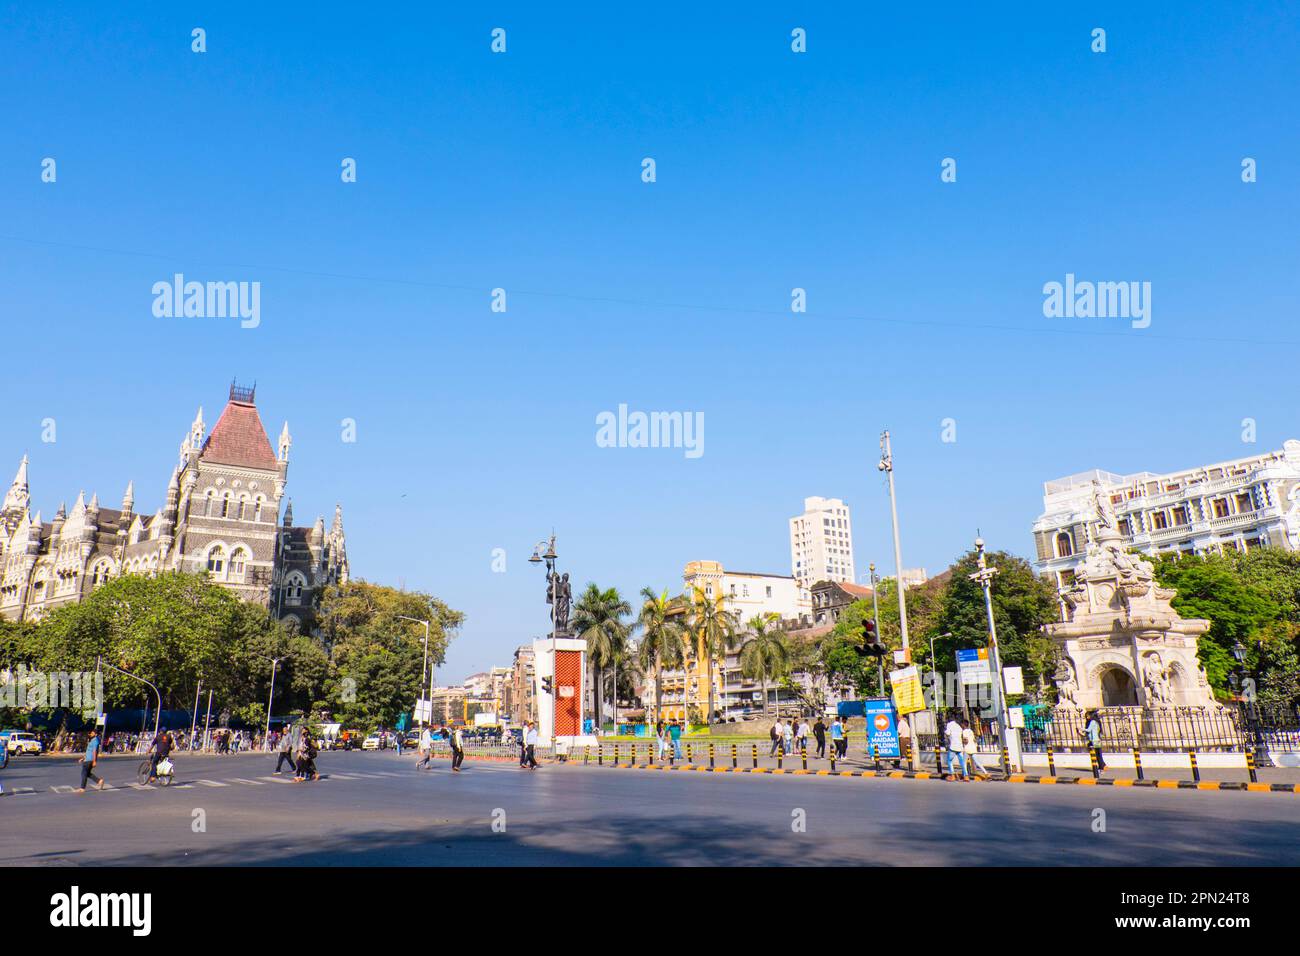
{"x": 1233, "y": 505}
{"x": 220, "y": 515}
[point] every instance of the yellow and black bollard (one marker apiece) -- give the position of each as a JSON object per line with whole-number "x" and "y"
{"x": 1137, "y": 763}
{"x": 600, "y": 755}
{"x": 875, "y": 756}
{"x": 780, "y": 756}
{"x": 755, "y": 756}
{"x": 832, "y": 759}
{"x": 1051, "y": 762}
{"x": 803, "y": 752}
{"x": 616, "y": 755}
{"x": 734, "y": 761}
{"x": 1006, "y": 763}
{"x": 690, "y": 753}
{"x": 1250, "y": 766}
{"x": 1092, "y": 757}
{"x": 710, "y": 756}
{"x": 938, "y": 760}
{"x": 1196, "y": 771}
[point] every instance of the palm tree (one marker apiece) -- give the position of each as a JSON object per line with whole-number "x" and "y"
{"x": 663, "y": 640}
{"x": 767, "y": 652}
{"x": 714, "y": 628}
{"x": 598, "y": 619}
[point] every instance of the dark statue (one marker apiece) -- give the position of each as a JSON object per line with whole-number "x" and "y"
{"x": 559, "y": 594}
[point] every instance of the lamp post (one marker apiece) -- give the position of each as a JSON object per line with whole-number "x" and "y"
{"x": 424, "y": 667}
{"x": 100, "y": 662}
{"x": 275, "y": 662}
{"x": 985, "y": 576}
{"x": 1253, "y": 729}
{"x": 886, "y": 465}
{"x": 549, "y": 556}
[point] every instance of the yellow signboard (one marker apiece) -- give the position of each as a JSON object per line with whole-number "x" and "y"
{"x": 906, "y": 684}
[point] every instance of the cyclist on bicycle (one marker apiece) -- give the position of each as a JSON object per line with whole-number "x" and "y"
{"x": 161, "y": 747}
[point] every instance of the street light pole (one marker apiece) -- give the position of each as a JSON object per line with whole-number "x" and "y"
{"x": 100, "y": 662}
{"x": 550, "y": 558}
{"x": 275, "y": 662}
{"x": 424, "y": 667}
{"x": 887, "y": 466}
{"x": 985, "y": 576}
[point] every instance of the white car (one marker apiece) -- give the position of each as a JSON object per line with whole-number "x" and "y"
{"x": 370, "y": 743}
{"x": 22, "y": 742}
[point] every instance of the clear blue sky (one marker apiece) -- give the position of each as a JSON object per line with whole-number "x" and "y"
{"x": 775, "y": 170}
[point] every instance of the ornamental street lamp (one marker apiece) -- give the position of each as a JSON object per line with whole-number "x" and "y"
{"x": 1254, "y": 730}
{"x": 424, "y": 667}
{"x": 549, "y": 557}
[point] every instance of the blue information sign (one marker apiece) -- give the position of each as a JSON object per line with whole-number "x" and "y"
{"x": 882, "y": 726}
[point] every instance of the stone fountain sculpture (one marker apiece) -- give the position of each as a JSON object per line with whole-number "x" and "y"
{"x": 1121, "y": 643}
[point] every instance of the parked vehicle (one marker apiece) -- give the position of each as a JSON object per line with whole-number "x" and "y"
{"x": 20, "y": 742}
{"x": 371, "y": 742}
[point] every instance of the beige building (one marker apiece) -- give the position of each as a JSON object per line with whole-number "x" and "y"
{"x": 220, "y": 515}
{"x": 821, "y": 542}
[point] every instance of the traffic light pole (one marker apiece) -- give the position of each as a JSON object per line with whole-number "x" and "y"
{"x": 887, "y": 466}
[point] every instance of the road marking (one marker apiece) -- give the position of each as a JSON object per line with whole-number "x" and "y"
{"x": 212, "y": 783}
{"x": 252, "y": 783}
{"x": 279, "y": 779}
{"x": 60, "y": 788}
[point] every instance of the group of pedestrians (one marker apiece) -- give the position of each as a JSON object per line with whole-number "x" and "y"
{"x": 454, "y": 738}
{"x": 962, "y": 750}
{"x": 791, "y": 737}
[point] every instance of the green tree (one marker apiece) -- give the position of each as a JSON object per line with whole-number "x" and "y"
{"x": 377, "y": 655}
{"x": 598, "y": 619}
{"x": 714, "y": 630}
{"x": 765, "y": 654}
{"x": 663, "y": 639}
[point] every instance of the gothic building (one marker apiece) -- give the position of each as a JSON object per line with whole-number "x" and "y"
{"x": 221, "y": 515}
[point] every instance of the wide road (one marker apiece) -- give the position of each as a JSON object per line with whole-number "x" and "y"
{"x": 375, "y": 809}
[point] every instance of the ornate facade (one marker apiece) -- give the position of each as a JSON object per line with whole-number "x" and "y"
{"x": 221, "y": 515}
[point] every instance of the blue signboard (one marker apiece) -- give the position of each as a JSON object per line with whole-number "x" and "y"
{"x": 882, "y": 726}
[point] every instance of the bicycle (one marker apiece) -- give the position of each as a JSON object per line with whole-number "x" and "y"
{"x": 166, "y": 772}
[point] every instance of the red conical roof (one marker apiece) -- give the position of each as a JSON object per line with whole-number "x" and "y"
{"x": 238, "y": 438}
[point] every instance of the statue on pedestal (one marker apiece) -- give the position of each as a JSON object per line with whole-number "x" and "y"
{"x": 559, "y": 594}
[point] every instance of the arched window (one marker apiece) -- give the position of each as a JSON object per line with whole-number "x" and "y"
{"x": 257, "y": 509}
{"x": 237, "y": 561}
{"x": 216, "y": 560}
{"x": 225, "y": 506}
{"x": 207, "y": 507}
{"x": 293, "y": 587}
{"x": 1064, "y": 545}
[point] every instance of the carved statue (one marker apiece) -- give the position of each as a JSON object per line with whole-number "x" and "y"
{"x": 1067, "y": 685}
{"x": 1101, "y": 505}
{"x": 1155, "y": 678}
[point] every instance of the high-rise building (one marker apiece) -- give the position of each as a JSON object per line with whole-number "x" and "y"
{"x": 821, "y": 543}
{"x": 1232, "y": 505}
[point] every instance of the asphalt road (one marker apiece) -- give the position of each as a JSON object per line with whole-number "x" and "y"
{"x": 375, "y": 809}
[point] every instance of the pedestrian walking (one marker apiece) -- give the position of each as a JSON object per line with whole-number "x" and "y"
{"x": 970, "y": 746}
{"x": 675, "y": 733}
{"x": 530, "y": 746}
{"x": 819, "y": 732}
{"x": 956, "y": 752}
{"x": 787, "y": 737}
{"x": 457, "y": 749}
{"x": 838, "y": 740}
{"x": 425, "y": 749}
{"x": 400, "y": 741}
{"x": 661, "y": 742}
{"x": 285, "y": 750}
{"x": 1093, "y": 732}
{"x": 776, "y": 736}
{"x": 88, "y": 761}
{"x": 802, "y": 736}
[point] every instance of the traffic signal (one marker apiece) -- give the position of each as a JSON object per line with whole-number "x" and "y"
{"x": 871, "y": 643}
{"x": 546, "y": 685}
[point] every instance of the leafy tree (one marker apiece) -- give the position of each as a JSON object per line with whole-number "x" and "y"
{"x": 842, "y": 663}
{"x": 598, "y": 619}
{"x": 766, "y": 653}
{"x": 714, "y": 629}
{"x": 377, "y": 655}
{"x": 663, "y": 639}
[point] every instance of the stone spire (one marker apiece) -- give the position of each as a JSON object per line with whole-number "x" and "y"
{"x": 288, "y": 514}
{"x": 285, "y": 443}
{"x": 128, "y": 500}
{"x": 17, "y": 497}
{"x": 337, "y": 527}
{"x": 318, "y": 532}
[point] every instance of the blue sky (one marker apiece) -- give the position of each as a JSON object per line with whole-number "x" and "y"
{"x": 775, "y": 170}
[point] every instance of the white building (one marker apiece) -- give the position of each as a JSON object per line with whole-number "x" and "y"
{"x": 1233, "y": 505}
{"x": 747, "y": 593}
{"x": 821, "y": 542}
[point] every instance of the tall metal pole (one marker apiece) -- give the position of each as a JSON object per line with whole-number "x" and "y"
{"x": 875, "y": 619}
{"x": 985, "y": 576}
{"x": 194, "y": 721}
{"x": 207, "y": 720}
{"x": 424, "y": 667}
{"x": 887, "y": 466}
{"x": 275, "y": 662}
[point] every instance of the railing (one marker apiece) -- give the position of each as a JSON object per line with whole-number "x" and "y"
{"x": 1172, "y": 729}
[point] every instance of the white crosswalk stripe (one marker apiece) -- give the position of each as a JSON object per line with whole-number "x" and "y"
{"x": 212, "y": 783}
{"x": 279, "y": 779}
{"x": 251, "y": 783}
